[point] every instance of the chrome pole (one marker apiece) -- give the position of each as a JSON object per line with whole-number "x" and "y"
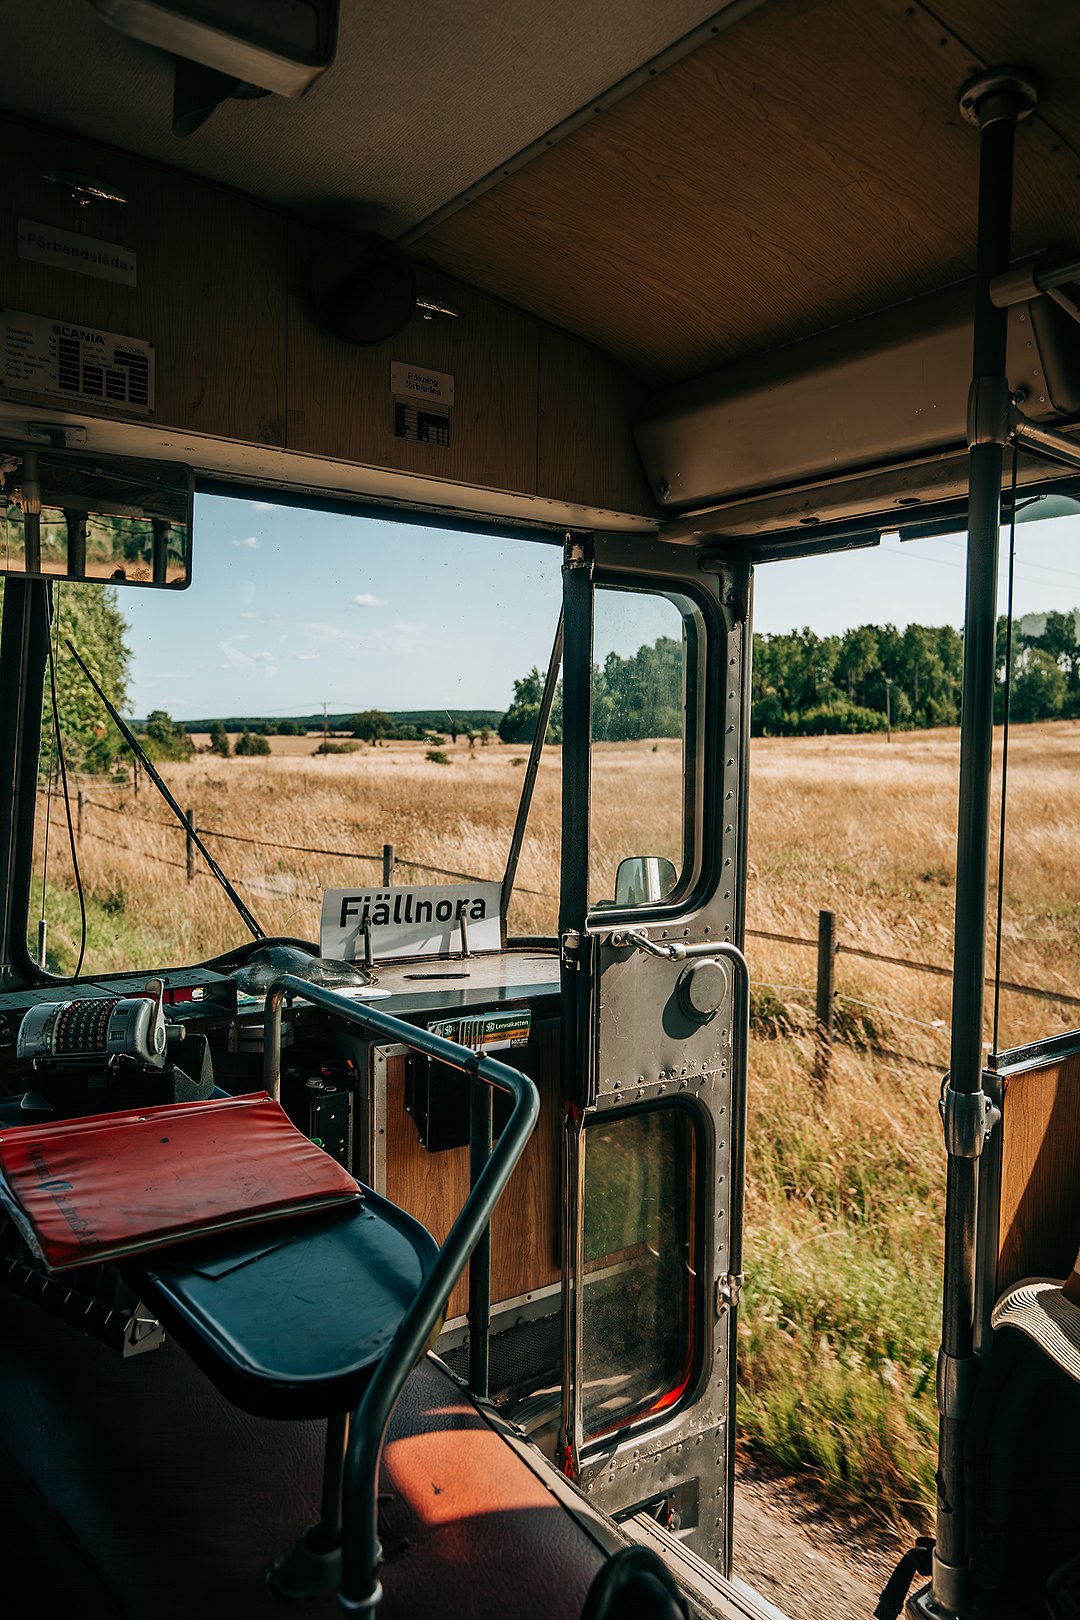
{"x": 993, "y": 101}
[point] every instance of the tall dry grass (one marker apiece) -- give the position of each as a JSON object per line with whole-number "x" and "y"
{"x": 845, "y": 1190}
{"x": 841, "y": 1311}
{"x": 457, "y": 816}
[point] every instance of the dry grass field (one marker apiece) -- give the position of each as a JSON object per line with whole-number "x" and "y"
{"x": 845, "y": 1189}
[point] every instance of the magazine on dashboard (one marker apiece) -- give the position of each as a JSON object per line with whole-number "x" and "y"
{"x": 89, "y": 1190}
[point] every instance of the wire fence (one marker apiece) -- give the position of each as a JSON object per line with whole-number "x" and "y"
{"x": 84, "y": 802}
{"x": 824, "y": 991}
{"x": 915, "y": 967}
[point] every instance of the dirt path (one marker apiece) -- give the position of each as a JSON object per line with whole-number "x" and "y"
{"x": 808, "y": 1560}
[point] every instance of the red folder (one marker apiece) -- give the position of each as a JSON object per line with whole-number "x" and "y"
{"x": 94, "y": 1189}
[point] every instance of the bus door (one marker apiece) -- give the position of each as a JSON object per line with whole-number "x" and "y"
{"x": 654, "y": 731}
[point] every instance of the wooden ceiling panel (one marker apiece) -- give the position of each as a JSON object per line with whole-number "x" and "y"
{"x": 807, "y": 168}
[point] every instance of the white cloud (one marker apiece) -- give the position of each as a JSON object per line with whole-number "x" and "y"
{"x": 330, "y": 630}
{"x": 249, "y": 615}
{"x": 251, "y": 543}
{"x": 366, "y": 600}
{"x": 264, "y": 506}
{"x": 304, "y": 656}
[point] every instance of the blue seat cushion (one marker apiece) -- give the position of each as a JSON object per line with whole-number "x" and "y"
{"x": 289, "y": 1318}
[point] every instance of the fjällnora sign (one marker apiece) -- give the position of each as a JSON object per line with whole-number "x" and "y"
{"x": 409, "y": 921}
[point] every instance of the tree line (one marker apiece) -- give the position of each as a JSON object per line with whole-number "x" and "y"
{"x": 803, "y": 685}
{"x": 633, "y": 697}
{"x": 810, "y": 685}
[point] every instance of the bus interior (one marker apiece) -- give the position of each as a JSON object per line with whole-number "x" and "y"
{"x": 602, "y": 309}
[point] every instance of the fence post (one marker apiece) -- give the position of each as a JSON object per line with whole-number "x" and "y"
{"x": 387, "y": 865}
{"x": 826, "y": 992}
{"x": 82, "y": 818}
{"x": 190, "y": 818}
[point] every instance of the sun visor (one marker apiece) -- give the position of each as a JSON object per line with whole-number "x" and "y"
{"x": 885, "y": 396}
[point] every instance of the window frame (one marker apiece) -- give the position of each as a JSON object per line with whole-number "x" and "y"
{"x": 702, "y": 710}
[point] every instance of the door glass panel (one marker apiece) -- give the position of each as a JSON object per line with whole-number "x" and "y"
{"x": 645, "y": 647}
{"x": 640, "y": 1265}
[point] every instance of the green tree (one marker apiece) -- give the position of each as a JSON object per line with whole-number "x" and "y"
{"x": 639, "y": 696}
{"x": 1039, "y": 688}
{"x": 518, "y": 724}
{"x": 164, "y": 740}
{"x": 90, "y": 617}
{"x": 857, "y": 660}
{"x": 252, "y": 742}
{"x": 372, "y": 724}
{"x": 219, "y": 739}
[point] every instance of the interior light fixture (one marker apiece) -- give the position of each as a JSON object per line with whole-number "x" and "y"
{"x": 231, "y": 48}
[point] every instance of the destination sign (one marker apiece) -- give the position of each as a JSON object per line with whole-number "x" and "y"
{"x": 414, "y": 921}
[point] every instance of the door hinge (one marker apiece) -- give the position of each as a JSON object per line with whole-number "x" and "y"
{"x": 729, "y": 1291}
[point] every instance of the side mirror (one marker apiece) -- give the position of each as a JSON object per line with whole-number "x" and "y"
{"x": 112, "y": 521}
{"x": 642, "y": 880}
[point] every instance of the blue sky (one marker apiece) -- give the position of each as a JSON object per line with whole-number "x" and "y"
{"x": 288, "y": 609}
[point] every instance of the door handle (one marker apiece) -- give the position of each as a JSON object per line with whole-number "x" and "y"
{"x": 672, "y": 952}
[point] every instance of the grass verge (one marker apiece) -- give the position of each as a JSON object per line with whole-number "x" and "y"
{"x": 840, "y": 1315}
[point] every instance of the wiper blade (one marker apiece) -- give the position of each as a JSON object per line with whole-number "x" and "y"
{"x": 547, "y": 700}
{"x": 140, "y": 754}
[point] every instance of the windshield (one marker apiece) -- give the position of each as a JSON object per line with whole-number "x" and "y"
{"x": 328, "y": 686}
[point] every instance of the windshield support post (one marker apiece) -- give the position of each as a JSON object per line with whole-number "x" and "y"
{"x": 24, "y": 650}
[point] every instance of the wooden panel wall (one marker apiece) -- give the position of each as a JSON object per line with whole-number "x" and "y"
{"x": 1039, "y": 1230}
{"x": 223, "y": 295}
{"x": 433, "y": 1186}
{"x": 210, "y": 293}
{"x": 340, "y": 402}
{"x": 588, "y": 406}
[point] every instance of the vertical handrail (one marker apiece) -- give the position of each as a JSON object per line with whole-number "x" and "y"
{"x": 480, "y": 1263}
{"x": 996, "y": 102}
{"x": 361, "y": 1589}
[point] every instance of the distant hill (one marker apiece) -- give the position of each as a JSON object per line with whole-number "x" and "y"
{"x": 426, "y": 719}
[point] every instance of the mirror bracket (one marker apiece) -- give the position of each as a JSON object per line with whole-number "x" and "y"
{"x": 59, "y": 434}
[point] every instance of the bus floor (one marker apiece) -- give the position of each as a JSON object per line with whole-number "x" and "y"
{"x": 133, "y": 1491}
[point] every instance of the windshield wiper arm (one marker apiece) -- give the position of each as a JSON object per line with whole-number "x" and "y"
{"x": 140, "y": 754}
{"x": 547, "y": 700}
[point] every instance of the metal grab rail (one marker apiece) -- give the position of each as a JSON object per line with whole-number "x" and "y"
{"x": 361, "y": 1589}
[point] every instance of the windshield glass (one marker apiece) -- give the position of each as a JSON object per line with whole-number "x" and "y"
{"x": 329, "y": 685}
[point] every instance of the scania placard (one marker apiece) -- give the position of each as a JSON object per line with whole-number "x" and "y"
{"x": 80, "y": 363}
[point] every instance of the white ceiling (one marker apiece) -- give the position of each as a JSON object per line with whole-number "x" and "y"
{"x": 422, "y": 100}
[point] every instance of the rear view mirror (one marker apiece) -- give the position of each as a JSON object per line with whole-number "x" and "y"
{"x": 642, "y": 880}
{"x": 114, "y": 521}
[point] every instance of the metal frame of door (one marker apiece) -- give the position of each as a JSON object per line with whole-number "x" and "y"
{"x": 627, "y": 1044}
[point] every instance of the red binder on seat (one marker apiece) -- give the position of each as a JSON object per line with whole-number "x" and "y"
{"x": 87, "y": 1190}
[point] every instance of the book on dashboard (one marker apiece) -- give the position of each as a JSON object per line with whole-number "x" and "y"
{"x": 87, "y": 1190}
